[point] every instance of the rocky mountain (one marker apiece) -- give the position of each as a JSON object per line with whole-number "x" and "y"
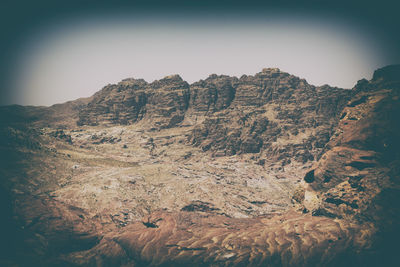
{"x": 274, "y": 114}
{"x": 271, "y": 113}
{"x": 262, "y": 170}
{"x": 163, "y": 102}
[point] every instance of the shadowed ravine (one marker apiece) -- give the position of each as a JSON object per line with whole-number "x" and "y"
{"x": 262, "y": 170}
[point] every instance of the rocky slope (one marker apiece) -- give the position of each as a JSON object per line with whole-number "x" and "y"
{"x": 265, "y": 170}
{"x": 162, "y": 102}
{"x": 272, "y": 113}
{"x": 358, "y": 178}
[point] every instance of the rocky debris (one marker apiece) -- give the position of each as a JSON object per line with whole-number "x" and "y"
{"x": 309, "y": 177}
{"x": 299, "y": 194}
{"x": 19, "y": 137}
{"x": 199, "y": 206}
{"x": 60, "y": 134}
{"x": 120, "y": 219}
{"x": 152, "y": 223}
{"x": 101, "y": 139}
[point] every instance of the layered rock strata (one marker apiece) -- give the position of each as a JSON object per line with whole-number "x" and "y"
{"x": 271, "y": 113}
{"x": 135, "y": 196}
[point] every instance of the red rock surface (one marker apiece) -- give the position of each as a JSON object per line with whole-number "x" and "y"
{"x": 345, "y": 213}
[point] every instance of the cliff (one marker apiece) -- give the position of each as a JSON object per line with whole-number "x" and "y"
{"x": 262, "y": 170}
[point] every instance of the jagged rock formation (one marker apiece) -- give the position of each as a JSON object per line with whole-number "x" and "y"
{"x": 274, "y": 113}
{"x": 212, "y": 94}
{"x": 164, "y": 103}
{"x": 350, "y": 217}
{"x": 358, "y": 178}
{"x": 168, "y": 101}
{"x": 154, "y": 192}
{"x": 122, "y": 103}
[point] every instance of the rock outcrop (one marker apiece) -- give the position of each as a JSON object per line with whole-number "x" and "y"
{"x": 272, "y": 113}
{"x": 123, "y": 103}
{"x": 213, "y": 94}
{"x": 164, "y": 103}
{"x": 275, "y": 114}
{"x": 168, "y": 102}
{"x": 358, "y": 177}
{"x": 74, "y": 197}
{"x": 348, "y": 215}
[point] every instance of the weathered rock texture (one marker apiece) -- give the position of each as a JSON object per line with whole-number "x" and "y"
{"x": 358, "y": 177}
{"x": 143, "y": 195}
{"x": 122, "y": 103}
{"x": 272, "y": 113}
{"x": 275, "y": 114}
{"x": 168, "y": 101}
{"x": 212, "y": 94}
{"x": 164, "y": 103}
{"x": 350, "y": 206}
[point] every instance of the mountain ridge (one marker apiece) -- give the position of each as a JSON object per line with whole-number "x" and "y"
{"x": 273, "y": 177}
{"x": 130, "y": 85}
{"x": 238, "y": 104}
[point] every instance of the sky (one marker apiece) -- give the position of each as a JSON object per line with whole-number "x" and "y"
{"x": 61, "y": 53}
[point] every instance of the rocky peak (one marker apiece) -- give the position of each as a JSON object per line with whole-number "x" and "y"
{"x": 271, "y": 85}
{"x": 270, "y": 70}
{"x": 141, "y": 204}
{"x": 172, "y": 77}
{"x": 168, "y": 100}
{"x": 387, "y": 77}
{"x": 212, "y": 94}
{"x": 121, "y": 103}
{"x": 169, "y": 83}
{"x": 271, "y": 114}
{"x": 132, "y": 83}
{"x": 271, "y": 73}
{"x": 253, "y": 114}
{"x": 389, "y": 74}
{"x": 357, "y": 178}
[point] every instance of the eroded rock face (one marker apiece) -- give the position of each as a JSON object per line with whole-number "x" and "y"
{"x": 129, "y": 195}
{"x": 358, "y": 177}
{"x": 275, "y": 114}
{"x": 123, "y": 103}
{"x": 271, "y": 113}
{"x": 168, "y": 101}
{"x": 212, "y": 94}
{"x": 164, "y": 103}
{"x": 202, "y": 239}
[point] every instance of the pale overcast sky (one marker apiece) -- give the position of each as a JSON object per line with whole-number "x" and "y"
{"x": 77, "y": 57}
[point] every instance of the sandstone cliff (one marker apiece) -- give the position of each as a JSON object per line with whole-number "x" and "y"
{"x": 272, "y": 113}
